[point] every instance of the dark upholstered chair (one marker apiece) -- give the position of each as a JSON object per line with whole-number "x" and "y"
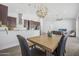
{"x": 60, "y": 50}
{"x": 57, "y": 50}
{"x": 25, "y": 48}
{"x": 57, "y": 32}
{"x": 72, "y": 34}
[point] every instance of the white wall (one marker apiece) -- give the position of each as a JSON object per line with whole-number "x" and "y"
{"x": 77, "y": 27}
{"x": 68, "y": 24}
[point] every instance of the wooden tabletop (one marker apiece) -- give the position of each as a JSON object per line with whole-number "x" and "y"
{"x": 48, "y": 43}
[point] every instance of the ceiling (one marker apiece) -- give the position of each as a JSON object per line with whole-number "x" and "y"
{"x": 55, "y": 10}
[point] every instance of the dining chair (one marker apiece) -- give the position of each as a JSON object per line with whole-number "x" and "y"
{"x": 25, "y": 48}
{"x": 60, "y": 50}
{"x": 57, "y": 50}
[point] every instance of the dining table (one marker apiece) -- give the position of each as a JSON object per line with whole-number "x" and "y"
{"x": 49, "y": 44}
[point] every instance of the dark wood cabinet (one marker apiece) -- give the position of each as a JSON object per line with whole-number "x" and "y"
{"x": 3, "y": 14}
{"x": 29, "y": 24}
{"x": 26, "y": 23}
{"x": 11, "y": 22}
{"x": 34, "y": 25}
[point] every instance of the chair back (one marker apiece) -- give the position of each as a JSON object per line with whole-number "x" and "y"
{"x": 57, "y": 50}
{"x": 24, "y": 46}
{"x": 63, "y": 44}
